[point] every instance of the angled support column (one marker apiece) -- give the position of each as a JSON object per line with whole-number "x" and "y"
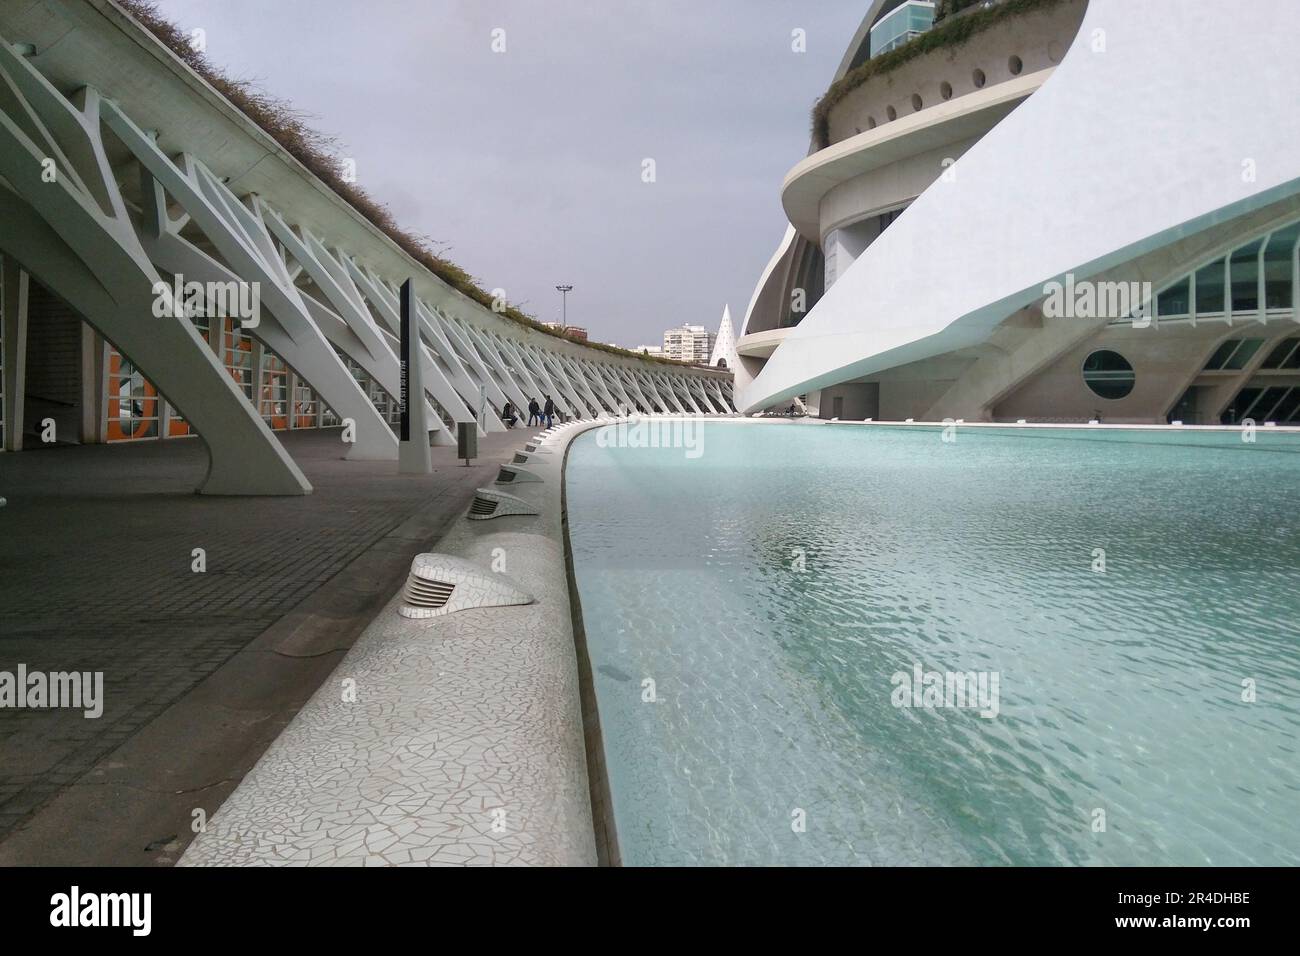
{"x": 241, "y": 237}
{"x": 597, "y": 385}
{"x": 521, "y": 385}
{"x": 471, "y": 360}
{"x": 640, "y": 396}
{"x": 683, "y": 385}
{"x": 581, "y": 395}
{"x": 510, "y": 384}
{"x": 560, "y": 390}
{"x": 446, "y": 376}
{"x": 579, "y": 384}
{"x": 347, "y": 322}
{"x": 333, "y": 280}
{"x": 669, "y": 392}
{"x": 538, "y": 370}
{"x": 703, "y": 394}
{"x": 537, "y": 384}
{"x": 613, "y": 385}
{"x": 721, "y": 396}
{"x": 464, "y": 383}
{"x": 384, "y": 301}
{"x": 657, "y": 402}
{"x": 75, "y": 235}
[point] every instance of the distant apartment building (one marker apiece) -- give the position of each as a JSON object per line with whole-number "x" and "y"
{"x": 689, "y": 343}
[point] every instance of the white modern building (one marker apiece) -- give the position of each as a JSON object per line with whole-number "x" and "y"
{"x": 689, "y": 343}
{"x": 126, "y": 177}
{"x": 1062, "y": 210}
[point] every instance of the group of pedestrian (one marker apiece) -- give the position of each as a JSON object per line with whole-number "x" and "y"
{"x": 541, "y": 414}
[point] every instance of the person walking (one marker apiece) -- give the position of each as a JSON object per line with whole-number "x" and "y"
{"x": 548, "y": 412}
{"x": 534, "y": 411}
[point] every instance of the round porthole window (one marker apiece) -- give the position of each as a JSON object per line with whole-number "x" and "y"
{"x": 891, "y": 112}
{"x": 1108, "y": 374}
{"x": 1015, "y": 65}
{"x": 871, "y": 122}
{"x": 945, "y": 90}
{"x": 978, "y": 79}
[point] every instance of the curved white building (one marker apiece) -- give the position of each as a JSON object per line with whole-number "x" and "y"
{"x": 126, "y": 179}
{"x": 1048, "y": 210}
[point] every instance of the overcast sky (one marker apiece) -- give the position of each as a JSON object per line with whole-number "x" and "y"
{"x": 527, "y": 164}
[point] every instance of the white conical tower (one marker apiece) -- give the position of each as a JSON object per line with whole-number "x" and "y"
{"x": 725, "y": 345}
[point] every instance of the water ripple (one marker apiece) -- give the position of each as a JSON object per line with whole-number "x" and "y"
{"x": 772, "y": 738}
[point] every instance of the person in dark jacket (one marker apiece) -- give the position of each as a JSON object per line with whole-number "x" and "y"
{"x": 534, "y": 411}
{"x": 548, "y": 412}
{"x": 508, "y": 415}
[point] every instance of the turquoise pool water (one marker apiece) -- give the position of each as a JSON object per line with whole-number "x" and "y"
{"x": 774, "y": 737}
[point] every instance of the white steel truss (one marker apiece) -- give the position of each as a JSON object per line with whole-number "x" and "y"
{"x": 328, "y": 319}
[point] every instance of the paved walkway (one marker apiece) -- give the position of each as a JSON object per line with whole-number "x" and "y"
{"x": 461, "y": 741}
{"x": 201, "y": 671}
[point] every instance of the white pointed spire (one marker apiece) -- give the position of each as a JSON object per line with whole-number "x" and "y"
{"x": 725, "y": 345}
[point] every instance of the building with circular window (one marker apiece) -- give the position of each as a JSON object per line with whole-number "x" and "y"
{"x": 985, "y": 226}
{"x": 1108, "y": 374}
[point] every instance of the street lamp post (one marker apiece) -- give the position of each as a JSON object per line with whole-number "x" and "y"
{"x": 564, "y": 291}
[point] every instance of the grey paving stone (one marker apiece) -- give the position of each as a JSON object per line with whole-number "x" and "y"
{"x": 95, "y": 554}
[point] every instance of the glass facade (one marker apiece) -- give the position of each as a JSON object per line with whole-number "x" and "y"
{"x": 1233, "y": 355}
{"x": 131, "y": 404}
{"x": 1285, "y": 355}
{"x": 1253, "y": 283}
{"x": 1277, "y": 404}
{"x": 134, "y": 409}
{"x": 1234, "y": 286}
{"x": 901, "y": 24}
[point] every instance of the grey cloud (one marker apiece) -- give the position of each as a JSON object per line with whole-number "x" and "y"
{"x": 527, "y": 164}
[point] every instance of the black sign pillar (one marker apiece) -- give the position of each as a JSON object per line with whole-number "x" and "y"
{"x": 404, "y": 399}
{"x": 413, "y": 456}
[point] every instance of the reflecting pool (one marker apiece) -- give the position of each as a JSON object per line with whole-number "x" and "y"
{"x": 757, "y": 612}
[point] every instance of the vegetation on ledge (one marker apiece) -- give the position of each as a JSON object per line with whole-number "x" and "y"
{"x": 950, "y": 31}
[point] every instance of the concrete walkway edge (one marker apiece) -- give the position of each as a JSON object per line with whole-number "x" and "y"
{"x": 453, "y": 740}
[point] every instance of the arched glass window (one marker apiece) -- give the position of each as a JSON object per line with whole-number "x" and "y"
{"x": 1278, "y": 257}
{"x": 1175, "y": 300}
{"x": 1209, "y": 288}
{"x": 1244, "y": 267}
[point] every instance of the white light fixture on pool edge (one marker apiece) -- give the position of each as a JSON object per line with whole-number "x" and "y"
{"x": 490, "y": 503}
{"x": 510, "y": 475}
{"x": 442, "y": 583}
